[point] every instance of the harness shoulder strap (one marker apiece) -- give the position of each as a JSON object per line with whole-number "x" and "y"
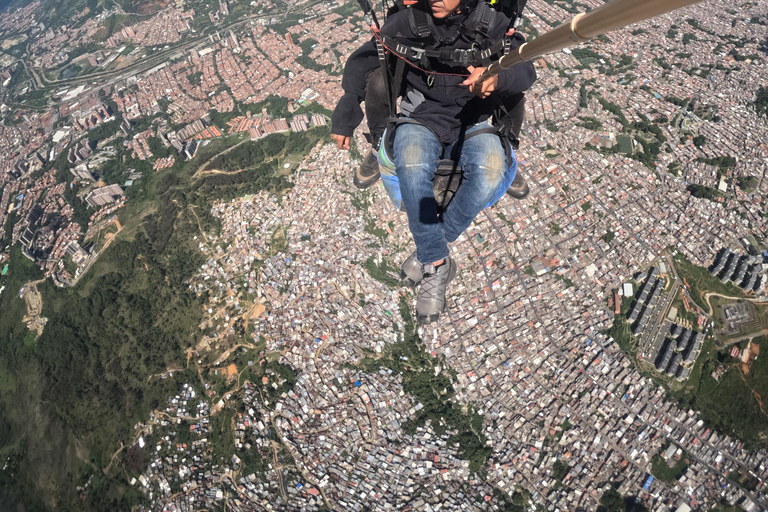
{"x": 421, "y": 24}
{"x": 478, "y": 23}
{"x": 384, "y": 69}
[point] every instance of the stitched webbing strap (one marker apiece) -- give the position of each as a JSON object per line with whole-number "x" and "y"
{"x": 446, "y": 56}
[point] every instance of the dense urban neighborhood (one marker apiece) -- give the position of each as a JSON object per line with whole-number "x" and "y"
{"x": 215, "y": 315}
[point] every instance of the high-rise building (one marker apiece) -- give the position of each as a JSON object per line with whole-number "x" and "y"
{"x": 104, "y": 195}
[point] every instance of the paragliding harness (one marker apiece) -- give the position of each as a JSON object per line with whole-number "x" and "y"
{"x": 507, "y": 116}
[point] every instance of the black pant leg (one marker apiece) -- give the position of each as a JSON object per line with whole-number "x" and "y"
{"x": 376, "y": 105}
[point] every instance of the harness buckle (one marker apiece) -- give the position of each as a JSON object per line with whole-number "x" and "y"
{"x": 418, "y": 53}
{"x": 461, "y": 56}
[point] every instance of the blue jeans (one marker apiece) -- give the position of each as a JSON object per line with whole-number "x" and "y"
{"x": 416, "y": 155}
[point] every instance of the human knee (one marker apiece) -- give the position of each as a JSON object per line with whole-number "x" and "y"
{"x": 491, "y": 168}
{"x": 484, "y": 156}
{"x": 494, "y": 162}
{"x": 415, "y": 148}
{"x": 412, "y": 157}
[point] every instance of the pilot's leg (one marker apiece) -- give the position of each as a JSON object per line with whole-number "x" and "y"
{"x": 484, "y": 162}
{"x": 376, "y": 112}
{"x": 416, "y": 153}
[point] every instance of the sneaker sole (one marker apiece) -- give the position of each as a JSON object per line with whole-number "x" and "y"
{"x": 519, "y": 193}
{"x": 429, "y": 319}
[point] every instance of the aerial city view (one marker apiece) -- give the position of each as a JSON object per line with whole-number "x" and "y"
{"x": 202, "y": 307}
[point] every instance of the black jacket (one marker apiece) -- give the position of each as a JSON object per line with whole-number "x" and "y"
{"x": 447, "y": 105}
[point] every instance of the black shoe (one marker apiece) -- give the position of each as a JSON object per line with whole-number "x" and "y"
{"x": 519, "y": 188}
{"x": 368, "y": 173}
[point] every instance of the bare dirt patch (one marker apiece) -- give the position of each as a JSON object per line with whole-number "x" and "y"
{"x": 754, "y": 393}
{"x": 146, "y": 7}
{"x": 34, "y": 303}
{"x": 13, "y": 41}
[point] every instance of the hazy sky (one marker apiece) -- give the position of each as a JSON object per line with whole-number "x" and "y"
{"x": 4, "y": 4}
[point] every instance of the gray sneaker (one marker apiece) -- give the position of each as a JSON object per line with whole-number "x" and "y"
{"x": 368, "y": 172}
{"x": 431, "y": 300}
{"x": 410, "y": 271}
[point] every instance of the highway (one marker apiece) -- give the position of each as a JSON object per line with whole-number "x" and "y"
{"x": 105, "y": 77}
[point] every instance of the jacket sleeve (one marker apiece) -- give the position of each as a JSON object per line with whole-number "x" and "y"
{"x": 348, "y": 114}
{"x": 518, "y": 78}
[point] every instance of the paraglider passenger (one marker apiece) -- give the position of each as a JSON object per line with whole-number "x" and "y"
{"x": 444, "y": 113}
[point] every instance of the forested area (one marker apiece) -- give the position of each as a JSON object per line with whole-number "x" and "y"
{"x": 252, "y": 153}
{"x": 435, "y": 392}
{"x": 724, "y": 163}
{"x": 103, "y": 339}
{"x": 70, "y": 397}
{"x": 761, "y": 102}
{"x": 703, "y": 192}
{"x": 747, "y": 184}
{"x": 590, "y": 123}
{"x": 253, "y": 166}
{"x": 277, "y": 106}
{"x": 229, "y": 186}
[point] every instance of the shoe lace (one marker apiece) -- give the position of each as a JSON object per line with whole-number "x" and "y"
{"x": 430, "y": 284}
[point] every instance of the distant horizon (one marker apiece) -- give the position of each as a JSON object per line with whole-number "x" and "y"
{"x": 4, "y": 4}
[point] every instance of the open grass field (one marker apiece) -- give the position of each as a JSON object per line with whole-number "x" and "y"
{"x": 625, "y": 144}
{"x": 666, "y": 473}
{"x": 699, "y": 281}
{"x": 292, "y": 161}
{"x": 757, "y": 243}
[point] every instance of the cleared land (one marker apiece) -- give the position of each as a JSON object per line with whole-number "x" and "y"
{"x": 666, "y": 473}
{"x": 13, "y": 41}
{"x": 755, "y": 325}
{"x": 699, "y": 281}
